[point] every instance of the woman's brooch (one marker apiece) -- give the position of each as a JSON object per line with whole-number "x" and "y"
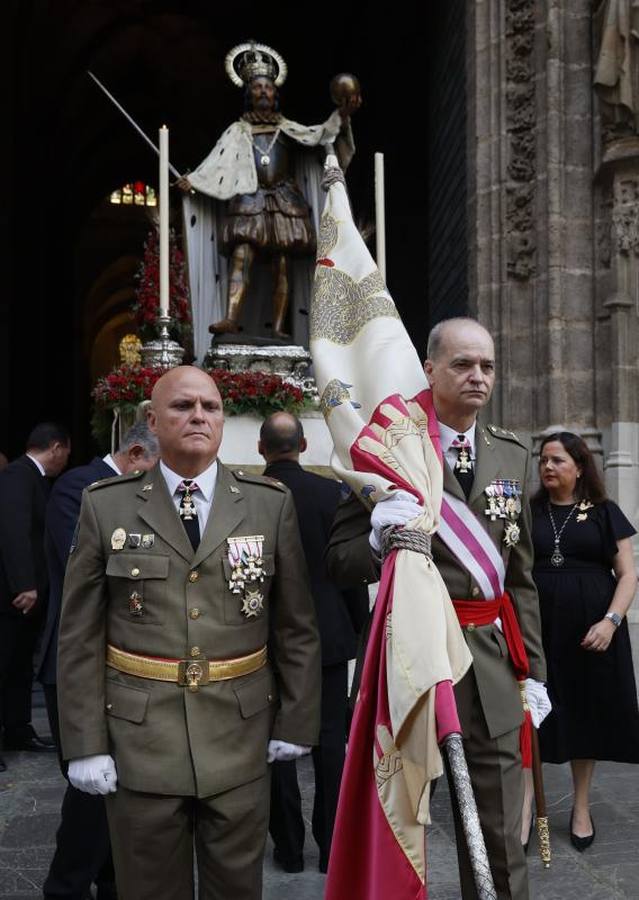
{"x": 583, "y": 508}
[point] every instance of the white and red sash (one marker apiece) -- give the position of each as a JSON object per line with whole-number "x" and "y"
{"x": 466, "y": 539}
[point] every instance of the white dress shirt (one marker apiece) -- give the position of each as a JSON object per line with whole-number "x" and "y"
{"x": 37, "y": 463}
{"x": 108, "y": 459}
{"x": 448, "y": 435}
{"x": 203, "y": 499}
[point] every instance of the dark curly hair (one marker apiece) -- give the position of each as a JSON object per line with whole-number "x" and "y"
{"x": 590, "y": 485}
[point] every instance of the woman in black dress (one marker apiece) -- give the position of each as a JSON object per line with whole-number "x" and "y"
{"x": 586, "y": 578}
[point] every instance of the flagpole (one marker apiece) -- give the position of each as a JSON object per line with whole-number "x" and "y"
{"x": 467, "y": 806}
{"x": 380, "y": 215}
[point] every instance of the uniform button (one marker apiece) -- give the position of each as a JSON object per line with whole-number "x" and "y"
{"x": 135, "y": 573}
{"x": 193, "y": 576}
{"x": 269, "y": 697}
{"x": 109, "y": 707}
{"x": 195, "y": 651}
{"x": 475, "y": 592}
{"x": 195, "y": 613}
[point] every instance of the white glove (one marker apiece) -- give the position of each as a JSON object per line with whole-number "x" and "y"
{"x": 93, "y": 774}
{"x": 396, "y": 510}
{"x": 283, "y": 752}
{"x": 538, "y": 701}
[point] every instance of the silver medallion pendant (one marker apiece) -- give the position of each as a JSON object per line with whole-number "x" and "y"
{"x": 265, "y": 160}
{"x": 557, "y": 559}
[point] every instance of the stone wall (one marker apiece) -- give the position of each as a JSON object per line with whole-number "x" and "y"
{"x": 553, "y": 237}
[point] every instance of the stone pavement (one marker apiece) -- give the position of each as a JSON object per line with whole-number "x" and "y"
{"x": 31, "y": 791}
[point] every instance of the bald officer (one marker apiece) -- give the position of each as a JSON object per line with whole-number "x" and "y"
{"x": 188, "y": 656}
{"x": 485, "y": 478}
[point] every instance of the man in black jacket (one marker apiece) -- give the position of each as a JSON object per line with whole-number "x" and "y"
{"x": 83, "y": 848}
{"x": 24, "y": 488}
{"x": 340, "y": 615}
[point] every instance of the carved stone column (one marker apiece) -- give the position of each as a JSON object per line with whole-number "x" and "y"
{"x": 618, "y": 296}
{"x": 531, "y": 209}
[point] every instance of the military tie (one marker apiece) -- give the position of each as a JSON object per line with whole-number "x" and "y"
{"x": 463, "y": 468}
{"x": 188, "y": 512}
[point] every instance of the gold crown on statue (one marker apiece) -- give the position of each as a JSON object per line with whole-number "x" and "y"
{"x": 252, "y": 60}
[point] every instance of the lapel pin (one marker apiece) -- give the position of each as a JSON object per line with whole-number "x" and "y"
{"x": 118, "y": 539}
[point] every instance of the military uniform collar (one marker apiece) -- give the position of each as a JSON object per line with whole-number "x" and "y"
{"x": 205, "y": 480}
{"x": 447, "y": 435}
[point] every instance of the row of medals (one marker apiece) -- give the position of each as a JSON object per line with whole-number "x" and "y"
{"x": 245, "y": 558}
{"x": 503, "y": 501}
{"x": 247, "y": 572}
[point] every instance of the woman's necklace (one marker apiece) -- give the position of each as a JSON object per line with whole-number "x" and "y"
{"x": 265, "y": 158}
{"x": 557, "y": 558}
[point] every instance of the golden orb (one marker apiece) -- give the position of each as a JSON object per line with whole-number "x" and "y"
{"x": 346, "y": 90}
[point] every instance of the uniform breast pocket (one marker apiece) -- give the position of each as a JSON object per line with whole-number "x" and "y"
{"x": 249, "y": 602}
{"x": 138, "y": 586}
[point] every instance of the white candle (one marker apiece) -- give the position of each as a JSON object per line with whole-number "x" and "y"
{"x": 380, "y": 216}
{"x": 164, "y": 221}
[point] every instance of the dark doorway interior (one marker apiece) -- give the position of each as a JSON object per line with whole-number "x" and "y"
{"x": 71, "y": 260}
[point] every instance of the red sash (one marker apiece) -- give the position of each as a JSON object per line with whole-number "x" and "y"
{"x": 484, "y": 612}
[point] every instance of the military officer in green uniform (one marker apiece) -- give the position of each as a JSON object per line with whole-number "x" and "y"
{"x": 485, "y": 477}
{"x": 188, "y": 655}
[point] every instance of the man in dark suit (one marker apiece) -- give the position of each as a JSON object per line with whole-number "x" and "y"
{"x": 24, "y": 488}
{"x": 83, "y": 849}
{"x": 340, "y": 616}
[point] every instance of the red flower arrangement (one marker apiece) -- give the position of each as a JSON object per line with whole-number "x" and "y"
{"x": 146, "y": 307}
{"x": 260, "y": 393}
{"x": 122, "y": 389}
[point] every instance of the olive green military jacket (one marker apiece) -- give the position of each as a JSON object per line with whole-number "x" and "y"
{"x": 164, "y": 738}
{"x": 500, "y": 455}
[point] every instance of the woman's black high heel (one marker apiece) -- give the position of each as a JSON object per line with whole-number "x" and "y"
{"x": 581, "y": 843}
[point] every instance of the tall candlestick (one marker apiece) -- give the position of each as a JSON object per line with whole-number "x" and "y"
{"x": 380, "y": 215}
{"x": 164, "y": 221}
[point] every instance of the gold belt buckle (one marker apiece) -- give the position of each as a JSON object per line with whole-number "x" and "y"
{"x": 192, "y": 673}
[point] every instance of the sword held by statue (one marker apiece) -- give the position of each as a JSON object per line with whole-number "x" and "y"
{"x": 131, "y": 121}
